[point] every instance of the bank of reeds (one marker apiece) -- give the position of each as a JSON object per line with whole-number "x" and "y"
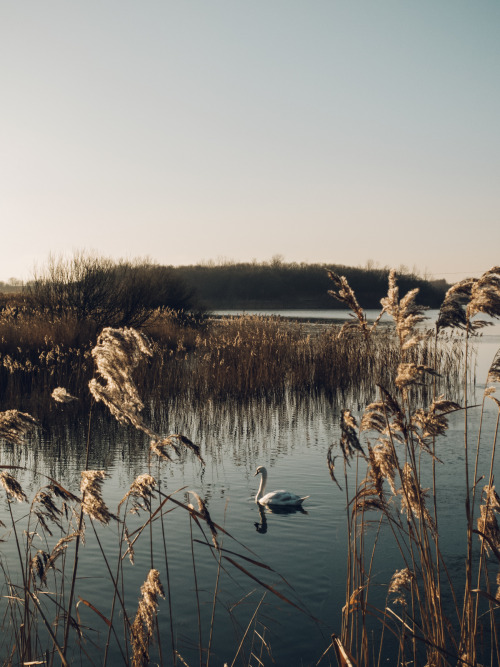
{"x": 49, "y": 619}
{"x": 430, "y": 617}
{"x": 241, "y": 357}
{"x": 47, "y": 616}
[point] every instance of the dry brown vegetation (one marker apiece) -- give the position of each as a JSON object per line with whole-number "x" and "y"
{"x": 396, "y": 438}
{"x": 240, "y": 357}
{"x": 407, "y": 366}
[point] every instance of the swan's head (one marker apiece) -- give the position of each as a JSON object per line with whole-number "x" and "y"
{"x": 260, "y": 471}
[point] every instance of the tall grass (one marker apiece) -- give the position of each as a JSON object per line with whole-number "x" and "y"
{"x": 240, "y": 357}
{"x": 429, "y": 617}
{"x": 48, "y": 616}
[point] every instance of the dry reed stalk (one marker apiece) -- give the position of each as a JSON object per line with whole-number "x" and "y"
{"x": 14, "y": 426}
{"x": 401, "y": 581}
{"x": 140, "y": 489}
{"x": 92, "y": 502}
{"x": 117, "y": 354}
{"x": 141, "y": 632}
{"x": 12, "y": 487}
{"x": 60, "y": 395}
{"x": 406, "y": 313}
{"x": 487, "y": 523}
{"x": 205, "y": 515}
{"x": 400, "y": 423}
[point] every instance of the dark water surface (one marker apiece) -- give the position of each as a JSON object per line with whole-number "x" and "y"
{"x": 306, "y": 551}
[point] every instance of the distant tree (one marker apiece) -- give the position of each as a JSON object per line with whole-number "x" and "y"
{"x": 107, "y": 292}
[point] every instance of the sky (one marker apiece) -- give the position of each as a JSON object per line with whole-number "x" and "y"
{"x": 186, "y": 131}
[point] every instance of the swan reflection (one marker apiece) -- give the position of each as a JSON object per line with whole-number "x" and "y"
{"x": 261, "y": 527}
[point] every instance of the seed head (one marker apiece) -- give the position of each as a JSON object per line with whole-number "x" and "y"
{"x": 91, "y": 490}
{"x": 141, "y": 631}
{"x": 12, "y": 487}
{"x": 60, "y": 395}
{"x": 14, "y": 425}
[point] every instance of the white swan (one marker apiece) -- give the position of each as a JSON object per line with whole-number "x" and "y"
{"x": 281, "y": 498}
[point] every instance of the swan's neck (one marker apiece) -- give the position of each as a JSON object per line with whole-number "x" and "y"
{"x": 262, "y": 486}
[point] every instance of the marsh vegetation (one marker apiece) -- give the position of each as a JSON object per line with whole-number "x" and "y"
{"x": 412, "y": 380}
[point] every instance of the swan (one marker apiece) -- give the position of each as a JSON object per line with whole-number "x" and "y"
{"x": 276, "y": 498}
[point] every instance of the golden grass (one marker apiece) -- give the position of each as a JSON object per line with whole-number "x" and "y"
{"x": 406, "y": 430}
{"x": 242, "y": 357}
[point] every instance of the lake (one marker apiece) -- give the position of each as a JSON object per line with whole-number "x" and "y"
{"x": 305, "y": 551}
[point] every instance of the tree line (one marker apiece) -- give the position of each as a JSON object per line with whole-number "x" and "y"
{"x": 281, "y": 285}
{"x": 126, "y": 293}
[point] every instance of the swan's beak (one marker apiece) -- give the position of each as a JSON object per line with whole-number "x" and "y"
{"x": 256, "y": 473}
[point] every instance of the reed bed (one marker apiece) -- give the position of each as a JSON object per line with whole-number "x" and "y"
{"x": 239, "y": 357}
{"x": 429, "y": 618}
{"x": 48, "y": 618}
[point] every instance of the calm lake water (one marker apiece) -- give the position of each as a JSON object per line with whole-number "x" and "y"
{"x": 306, "y": 551}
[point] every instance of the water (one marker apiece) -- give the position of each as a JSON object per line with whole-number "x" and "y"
{"x": 306, "y": 551}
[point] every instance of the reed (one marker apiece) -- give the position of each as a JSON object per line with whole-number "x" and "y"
{"x": 49, "y": 617}
{"x": 239, "y": 357}
{"x": 397, "y": 438}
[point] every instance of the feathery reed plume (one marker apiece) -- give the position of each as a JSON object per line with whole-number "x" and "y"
{"x": 494, "y": 370}
{"x": 330, "y": 460}
{"x": 14, "y": 425}
{"x": 130, "y": 548}
{"x": 383, "y": 465}
{"x": 202, "y": 509}
{"x": 349, "y": 441}
{"x": 91, "y": 490}
{"x": 141, "y": 631}
{"x": 405, "y": 313}
{"x": 385, "y": 417}
{"x": 37, "y": 564}
{"x": 58, "y": 551}
{"x": 141, "y": 488}
{"x": 487, "y": 522}
{"x": 400, "y": 582}
{"x": 60, "y": 492}
{"x": 345, "y": 294}
{"x": 354, "y": 601}
{"x": 452, "y": 312}
{"x": 159, "y": 447}
{"x": 413, "y": 497}
{"x": 60, "y": 395}
{"x": 426, "y": 424}
{"x": 469, "y": 297}
{"x": 48, "y": 509}
{"x": 492, "y": 497}
{"x": 368, "y": 498}
{"x": 12, "y": 487}
{"x": 485, "y": 294}
{"x": 117, "y": 354}
{"x": 411, "y": 374}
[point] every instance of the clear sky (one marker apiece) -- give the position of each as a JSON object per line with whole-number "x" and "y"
{"x": 333, "y": 131}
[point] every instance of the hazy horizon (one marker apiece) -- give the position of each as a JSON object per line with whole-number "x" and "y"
{"x": 188, "y": 131}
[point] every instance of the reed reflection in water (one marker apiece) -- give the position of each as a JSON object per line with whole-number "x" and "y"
{"x": 290, "y": 433}
{"x": 306, "y": 548}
